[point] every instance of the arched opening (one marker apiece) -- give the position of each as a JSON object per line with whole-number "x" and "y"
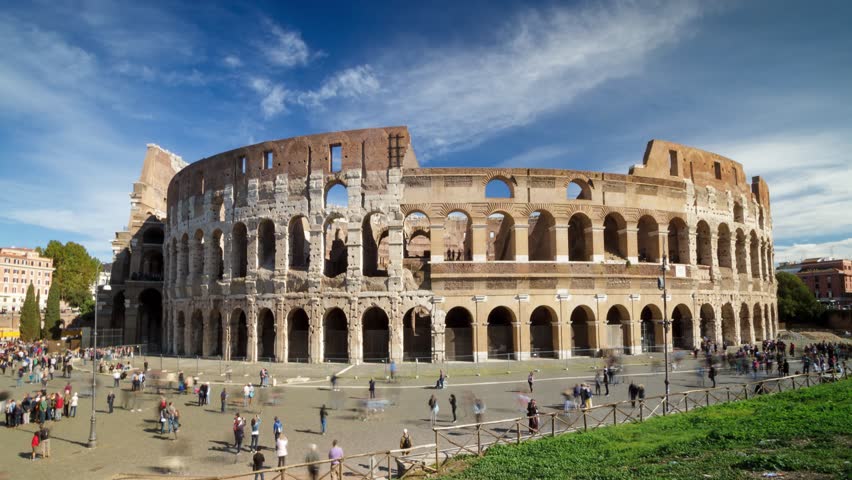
{"x": 682, "y": 336}
{"x": 500, "y": 232}
{"x": 417, "y": 335}
{"x": 265, "y": 335}
{"x": 458, "y": 237}
{"x": 582, "y": 331}
{"x": 417, "y": 236}
{"x": 738, "y": 213}
{"x": 118, "y": 311}
{"x": 542, "y": 323}
{"x": 196, "y": 332}
{"x": 678, "y": 241}
{"x": 239, "y": 335}
{"x": 707, "y": 323}
{"x": 180, "y": 343}
{"x": 376, "y": 335}
{"x": 300, "y": 243}
{"x": 754, "y": 253}
{"x": 150, "y": 318}
{"x": 153, "y": 236}
{"x": 152, "y": 266}
{"x": 650, "y": 317}
{"x": 458, "y": 335}
{"x": 183, "y": 258}
{"x": 337, "y": 196}
{"x": 336, "y": 250}
{"x": 500, "y": 338}
{"x": 578, "y": 189}
{"x": 498, "y": 188}
{"x": 218, "y": 257}
{"x": 741, "y": 252}
{"x": 729, "y": 326}
{"x": 216, "y": 325}
{"x": 615, "y": 237}
{"x": 542, "y": 236}
{"x": 266, "y": 245}
{"x": 704, "y": 248}
{"x": 239, "y": 246}
{"x": 298, "y": 340}
{"x": 723, "y": 246}
{"x": 375, "y": 242}
{"x": 618, "y": 328}
{"x": 336, "y": 336}
{"x": 196, "y": 254}
{"x": 759, "y": 334}
{"x": 648, "y": 239}
{"x": 580, "y": 238}
{"x": 745, "y": 325}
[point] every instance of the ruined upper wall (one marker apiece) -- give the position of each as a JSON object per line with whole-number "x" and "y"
{"x": 369, "y": 150}
{"x": 705, "y": 169}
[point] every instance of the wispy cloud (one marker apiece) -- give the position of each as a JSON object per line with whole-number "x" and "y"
{"x": 273, "y": 95}
{"x": 800, "y": 251}
{"x": 232, "y": 61}
{"x": 539, "y": 157}
{"x": 285, "y": 48}
{"x": 356, "y": 82}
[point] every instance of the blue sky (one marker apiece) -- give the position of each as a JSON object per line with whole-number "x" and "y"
{"x": 584, "y": 85}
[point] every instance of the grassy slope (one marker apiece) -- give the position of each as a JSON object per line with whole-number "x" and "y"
{"x": 807, "y": 431}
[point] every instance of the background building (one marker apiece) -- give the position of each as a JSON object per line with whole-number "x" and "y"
{"x": 829, "y": 279}
{"x": 20, "y": 268}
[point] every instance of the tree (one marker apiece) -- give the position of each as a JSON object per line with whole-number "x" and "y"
{"x": 76, "y": 271}
{"x": 52, "y": 327}
{"x": 30, "y": 320}
{"x": 795, "y": 302}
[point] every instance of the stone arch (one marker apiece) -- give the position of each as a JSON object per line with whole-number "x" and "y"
{"x": 458, "y": 334}
{"x": 759, "y": 334}
{"x": 336, "y": 195}
{"x": 723, "y": 246}
{"x": 118, "y": 315}
{"x": 741, "y": 252}
{"x": 500, "y": 235}
{"x": 729, "y": 325}
{"x": 745, "y": 324}
{"x": 266, "y": 245}
{"x": 196, "y": 254}
{"x": 543, "y": 322}
{"x": 218, "y": 257}
{"x": 499, "y": 187}
{"x": 298, "y": 336}
{"x": 216, "y": 324}
{"x": 336, "y": 336}
{"x": 375, "y": 329}
{"x": 707, "y": 322}
{"x": 196, "y": 333}
{"x": 375, "y": 244}
{"x": 584, "y": 340}
{"x": 336, "y": 257}
{"x": 678, "y": 241}
{"x": 150, "y": 317}
{"x": 239, "y": 334}
{"x": 682, "y": 327}
{"x": 648, "y": 239}
{"x": 615, "y": 236}
{"x": 542, "y": 236}
{"x": 153, "y": 235}
{"x": 239, "y": 251}
{"x": 704, "y": 248}
{"x": 580, "y": 238}
{"x": 458, "y": 237}
{"x": 299, "y": 233}
{"x": 578, "y": 189}
{"x": 650, "y": 328}
{"x": 266, "y": 335}
{"x": 180, "y": 339}
{"x": 417, "y": 231}
{"x": 739, "y": 217}
{"x": 754, "y": 253}
{"x": 501, "y": 343}
{"x": 417, "y": 335}
{"x": 618, "y": 328}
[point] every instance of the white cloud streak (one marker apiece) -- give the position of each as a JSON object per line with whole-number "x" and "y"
{"x": 273, "y": 96}
{"x": 285, "y": 48}
{"x": 800, "y": 251}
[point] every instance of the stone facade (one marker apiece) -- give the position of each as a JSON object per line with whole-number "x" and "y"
{"x": 264, "y": 260}
{"x": 20, "y": 268}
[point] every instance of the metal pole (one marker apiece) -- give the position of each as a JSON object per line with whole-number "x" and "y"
{"x": 664, "y": 266}
{"x": 93, "y": 438}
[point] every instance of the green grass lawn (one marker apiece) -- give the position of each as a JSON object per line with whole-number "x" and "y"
{"x": 804, "y": 434}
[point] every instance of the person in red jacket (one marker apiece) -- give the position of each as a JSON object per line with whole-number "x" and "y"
{"x": 35, "y": 443}
{"x": 60, "y": 404}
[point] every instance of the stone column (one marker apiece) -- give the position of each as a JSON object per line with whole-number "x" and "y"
{"x": 632, "y": 233}
{"x": 522, "y": 240}
{"x": 355, "y": 256}
{"x": 561, "y": 243}
{"x": 480, "y": 329}
{"x": 598, "y": 251}
{"x": 436, "y": 242}
{"x": 251, "y": 253}
{"x": 281, "y": 343}
{"x": 714, "y": 256}
{"x": 209, "y": 333}
{"x": 282, "y": 252}
{"x": 395, "y": 327}
{"x": 356, "y": 332}
{"x": 315, "y": 335}
{"x": 226, "y": 335}
{"x": 438, "y": 321}
{"x": 563, "y": 326}
{"x": 521, "y": 328}
{"x": 228, "y": 241}
{"x": 251, "y": 324}
{"x": 480, "y": 240}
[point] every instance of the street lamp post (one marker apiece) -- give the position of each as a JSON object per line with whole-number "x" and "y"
{"x": 93, "y": 438}
{"x": 661, "y": 283}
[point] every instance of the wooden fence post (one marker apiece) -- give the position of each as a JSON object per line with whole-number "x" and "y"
{"x": 585, "y": 421}
{"x": 437, "y": 455}
{"x": 641, "y": 410}
{"x": 728, "y": 393}
{"x": 479, "y": 439}
{"x": 553, "y": 424}
{"x": 686, "y": 401}
{"x": 707, "y": 395}
{"x": 614, "y": 415}
{"x": 745, "y": 391}
{"x": 518, "y": 425}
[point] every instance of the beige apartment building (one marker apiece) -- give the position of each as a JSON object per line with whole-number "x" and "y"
{"x": 20, "y": 268}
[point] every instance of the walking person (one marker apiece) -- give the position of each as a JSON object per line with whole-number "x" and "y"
{"x": 111, "y": 400}
{"x": 257, "y": 464}
{"x": 239, "y": 433}
{"x": 532, "y": 416}
{"x": 323, "y": 418}
{"x": 372, "y": 388}
{"x": 712, "y": 375}
{"x": 405, "y": 446}
{"x": 223, "y": 398}
{"x": 453, "y": 406}
{"x": 281, "y": 449}
{"x": 433, "y": 410}
{"x": 74, "y": 401}
{"x": 255, "y": 432}
{"x": 277, "y": 428}
{"x": 311, "y": 458}
{"x": 632, "y": 391}
{"x": 598, "y": 383}
{"x": 606, "y": 383}
{"x": 335, "y": 455}
{"x": 530, "y": 379}
{"x": 44, "y": 440}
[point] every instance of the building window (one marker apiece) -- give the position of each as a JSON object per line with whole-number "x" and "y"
{"x": 267, "y": 160}
{"x": 717, "y": 170}
{"x": 673, "y": 163}
{"x": 336, "y": 159}
{"x": 241, "y": 164}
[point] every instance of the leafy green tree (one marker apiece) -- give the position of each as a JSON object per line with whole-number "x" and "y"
{"x": 52, "y": 327}
{"x": 796, "y": 303}
{"x": 76, "y": 271}
{"x": 30, "y": 319}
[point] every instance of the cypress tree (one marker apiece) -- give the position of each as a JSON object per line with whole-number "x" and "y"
{"x": 30, "y": 322}
{"x": 52, "y": 327}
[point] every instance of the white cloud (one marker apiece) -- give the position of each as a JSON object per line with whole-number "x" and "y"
{"x": 353, "y": 82}
{"x": 232, "y": 61}
{"x": 273, "y": 96}
{"x": 799, "y": 251}
{"x": 285, "y": 48}
{"x": 538, "y": 157}
{"x": 457, "y": 96}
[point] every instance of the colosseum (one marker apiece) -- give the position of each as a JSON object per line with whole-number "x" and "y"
{"x": 340, "y": 247}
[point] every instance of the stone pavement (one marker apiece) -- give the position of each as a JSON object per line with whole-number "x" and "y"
{"x": 129, "y": 441}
